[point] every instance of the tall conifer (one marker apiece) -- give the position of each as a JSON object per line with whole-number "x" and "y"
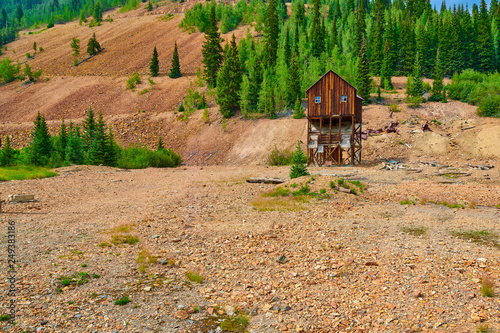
{"x": 293, "y": 88}
{"x": 175, "y": 71}
{"x": 212, "y": 50}
{"x": 154, "y": 66}
{"x": 229, "y": 81}
{"x": 271, "y": 34}
{"x": 364, "y": 79}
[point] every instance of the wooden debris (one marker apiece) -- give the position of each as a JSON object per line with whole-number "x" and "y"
{"x": 468, "y": 127}
{"x": 266, "y": 180}
{"x": 345, "y": 190}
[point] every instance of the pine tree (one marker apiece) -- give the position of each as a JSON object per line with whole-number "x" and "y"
{"x": 154, "y": 66}
{"x": 359, "y": 27}
{"x": 293, "y": 87}
{"x": 288, "y": 48}
{"x": 298, "y": 168}
{"x": 272, "y": 104}
{"x": 364, "y": 79}
{"x": 298, "y": 110}
{"x": 417, "y": 87}
{"x": 150, "y": 6}
{"x": 255, "y": 83}
{"x": 377, "y": 42}
{"x": 175, "y": 71}
{"x": 271, "y": 34}
{"x": 34, "y": 46}
{"x": 19, "y": 13}
{"x": 160, "y": 144}
{"x": 334, "y": 42}
{"x": 74, "y": 149}
{"x": 89, "y": 128}
{"x": 229, "y": 81}
{"x": 485, "y": 46}
{"x": 437, "y": 86}
{"x": 212, "y": 51}
{"x": 110, "y": 150}
{"x": 62, "y": 140}
{"x": 386, "y": 71}
{"x": 317, "y": 42}
{"x": 75, "y": 46}
{"x": 7, "y": 154}
{"x": 97, "y": 150}
{"x": 93, "y": 46}
{"x": 97, "y": 11}
{"x": 40, "y": 147}
{"x": 296, "y": 38}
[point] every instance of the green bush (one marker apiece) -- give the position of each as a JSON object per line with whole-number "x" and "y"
{"x": 133, "y": 80}
{"x": 278, "y": 157}
{"x": 142, "y": 157}
{"x": 477, "y": 89}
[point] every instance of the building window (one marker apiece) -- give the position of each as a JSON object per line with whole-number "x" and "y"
{"x": 343, "y": 98}
{"x": 317, "y": 99}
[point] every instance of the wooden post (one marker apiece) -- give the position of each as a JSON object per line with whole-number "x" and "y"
{"x": 352, "y": 140}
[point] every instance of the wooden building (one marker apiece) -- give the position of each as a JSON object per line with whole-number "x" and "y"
{"x": 334, "y": 117}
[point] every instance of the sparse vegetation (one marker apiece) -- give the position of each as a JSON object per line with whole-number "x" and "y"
{"x": 194, "y": 277}
{"x": 4, "y": 317}
{"x": 24, "y": 172}
{"x": 414, "y": 230}
{"x": 278, "y": 157}
{"x": 133, "y": 81}
{"x": 236, "y": 324}
{"x": 487, "y": 287}
{"x": 122, "y": 301}
{"x": 78, "y": 278}
{"x": 124, "y": 239}
{"x": 485, "y": 237}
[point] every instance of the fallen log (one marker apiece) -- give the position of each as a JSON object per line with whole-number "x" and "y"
{"x": 266, "y": 180}
{"x": 345, "y": 190}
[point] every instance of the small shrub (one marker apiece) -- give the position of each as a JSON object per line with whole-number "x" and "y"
{"x": 133, "y": 80}
{"x": 415, "y": 102}
{"x": 205, "y": 117}
{"x": 394, "y": 108}
{"x": 279, "y": 158}
{"x": 407, "y": 202}
{"x": 359, "y": 184}
{"x": 122, "y": 301}
{"x": 195, "y": 277}
{"x": 4, "y": 317}
{"x": 340, "y": 181}
{"x": 143, "y": 91}
{"x": 322, "y": 191}
{"x": 237, "y": 324}
{"x": 332, "y": 184}
{"x": 151, "y": 82}
{"x": 487, "y": 287}
{"x": 28, "y": 55}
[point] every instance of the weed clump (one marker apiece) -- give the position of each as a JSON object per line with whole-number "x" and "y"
{"x": 133, "y": 81}
{"x": 194, "y": 277}
{"x": 414, "y": 230}
{"x": 122, "y": 301}
{"x": 487, "y": 287}
{"x": 478, "y": 236}
{"x": 279, "y": 158}
{"x": 237, "y": 324}
{"x": 124, "y": 239}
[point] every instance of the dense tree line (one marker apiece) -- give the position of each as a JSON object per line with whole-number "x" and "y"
{"x": 91, "y": 143}
{"x": 356, "y": 39}
{"x": 15, "y": 14}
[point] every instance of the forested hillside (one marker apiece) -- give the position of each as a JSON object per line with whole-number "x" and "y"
{"x": 358, "y": 40}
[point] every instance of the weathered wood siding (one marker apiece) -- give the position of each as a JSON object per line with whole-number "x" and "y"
{"x": 330, "y": 88}
{"x": 358, "y": 110}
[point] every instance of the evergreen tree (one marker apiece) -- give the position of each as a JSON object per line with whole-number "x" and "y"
{"x": 364, "y": 79}
{"x": 272, "y": 104}
{"x": 175, "y": 71}
{"x": 97, "y": 12}
{"x": 288, "y": 48}
{"x": 293, "y": 87}
{"x": 154, "y": 66}
{"x": 334, "y": 42}
{"x": 212, "y": 51}
{"x": 74, "y": 149}
{"x": 160, "y": 144}
{"x": 110, "y": 150}
{"x": 150, "y": 6}
{"x": 437, "y": 86}
{"x": 296, "y": 38}
{"x": 377, "y": 42}
{"x": 34, "y": 46}
{"x": 19, "y": 13}
{"x": 40, "y": 147}
{"x": 386, "y": 71}
{"x": 98, "y": 146}
{"x": 298, "y": 110}
{"x": 298, "y": 168}
{"x": 317, "y": 42}
{"x": 93, "y": 45}
{"x": 62, "y": 140}
{"x": 3, "y": 18}
{"x": 229, "y": 81}
{"x": 417, "y": 87}
{"x": 7, "y": 154}
{"x": 89, "y": 128}
{"x": 255, "y": 83}
{"x": 359, "y": 28}
{"x": 271, "y": 34}
{"x": 484, "y": 40}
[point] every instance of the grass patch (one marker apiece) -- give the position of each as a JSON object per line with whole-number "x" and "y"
{"x": 145, "y": 258}
{"x": 278, "y": 192}
{"x": 236, "y": 324}
{"x": 143, "y": 91}
{"x": 25, "y": 172}
{"x": 122, "y": 301}
{"x": 484, "y": 328}
{"x": 123, "y": 228}
{"x": 166, "y": 17}
{"x": 455, "y": 205}
{"x": 194, "y": 277}
{"x": 4, "y": 317}
{"x": 414, "y": 230}
{"x": 124, "y": 239}
{"x": 359, "y": 184}
{"x": 478, "y": 236}
{"x": 408, "y": 202}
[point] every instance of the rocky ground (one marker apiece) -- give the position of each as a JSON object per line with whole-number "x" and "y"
{"x": 337, "y": 262}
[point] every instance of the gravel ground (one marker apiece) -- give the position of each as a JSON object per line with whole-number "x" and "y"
{"x": 342, "y": 262}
